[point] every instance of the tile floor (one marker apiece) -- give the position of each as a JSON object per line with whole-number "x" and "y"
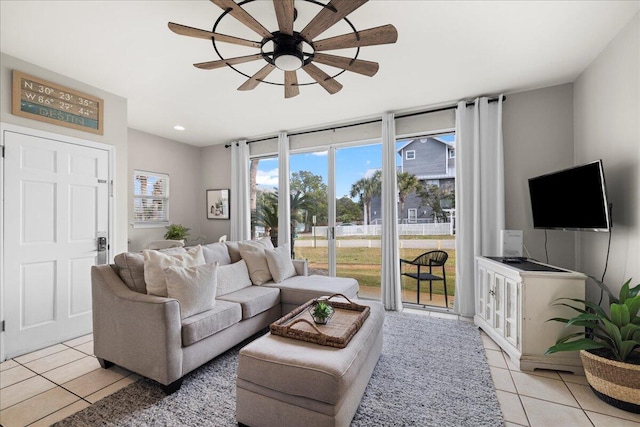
{"x": 40, "y": 388}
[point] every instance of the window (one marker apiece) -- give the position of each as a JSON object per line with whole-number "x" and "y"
{"x": 412, "y": 215}
{"x": 150, "y": 199}
{"x": 435, "y": 182}
{"x": 452, "y": 153}
{"x": 410, "y": 154}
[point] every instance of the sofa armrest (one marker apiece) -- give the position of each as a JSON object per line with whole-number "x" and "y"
{"x": 301, "y": 266}
{"x": 139, "y": 332}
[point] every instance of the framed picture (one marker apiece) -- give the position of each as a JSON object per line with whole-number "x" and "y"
{"x": 218, "y": 204}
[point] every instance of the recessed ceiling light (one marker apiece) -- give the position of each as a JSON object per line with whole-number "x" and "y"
{"x": 178, "y": 127}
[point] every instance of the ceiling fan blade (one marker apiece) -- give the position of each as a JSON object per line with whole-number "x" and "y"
{"x": 373, "y": 36}
{"x": 241, "y": 15}
{"x": 331, "y": 85}
{"x": 291, "y": 87}
{"x": 257, "y": 77}
{"x": 211, "y": 65}
{"x": 359, "y": 66}
{"x": 284, "y": 13}
{"x": 184, "y": 30}
{"x": 327, "y": 17}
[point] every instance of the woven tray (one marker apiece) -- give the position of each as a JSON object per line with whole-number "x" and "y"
{"x": 346, "y": 321}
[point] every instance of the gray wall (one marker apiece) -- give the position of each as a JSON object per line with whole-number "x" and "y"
{"x": 182, "y": 163}
{"x": 216, "y": 174}
{"x": 115, "y": 129}
{"x": 537, "y": 129}
{"x": 607, "y": 127}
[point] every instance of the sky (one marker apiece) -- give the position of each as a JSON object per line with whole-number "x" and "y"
{"x": 352, "y": 163}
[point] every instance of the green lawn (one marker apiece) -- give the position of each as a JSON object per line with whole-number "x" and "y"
{"x": 363, "y": 264}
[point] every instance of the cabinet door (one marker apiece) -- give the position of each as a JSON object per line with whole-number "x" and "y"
{"x": 512, "y": 312}
{"x": 482, "y": 282}
{"x": 499, "y": 303}
{"x": 487, "y": 296}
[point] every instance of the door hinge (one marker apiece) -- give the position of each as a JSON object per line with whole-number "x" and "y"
{"x": 3, "y": 151}
{"x": 111, "y": 188}
{"x": 2, "y": 326}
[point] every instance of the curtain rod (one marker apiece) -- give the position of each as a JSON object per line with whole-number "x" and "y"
{"x": 401, "y": 116}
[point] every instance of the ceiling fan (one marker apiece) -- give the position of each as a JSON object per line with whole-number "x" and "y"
{"x": 290, "y": 50}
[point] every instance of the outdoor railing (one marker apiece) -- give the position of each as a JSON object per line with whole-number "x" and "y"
{"x": 428, "y": 229}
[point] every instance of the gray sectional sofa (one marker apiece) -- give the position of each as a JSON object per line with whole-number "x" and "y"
{"x": 147, "y": 334}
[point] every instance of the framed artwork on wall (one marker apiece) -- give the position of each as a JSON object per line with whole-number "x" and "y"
{"x": 218, "y": 204}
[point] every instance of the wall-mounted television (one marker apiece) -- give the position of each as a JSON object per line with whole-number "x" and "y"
{"x": 571, "y": 199}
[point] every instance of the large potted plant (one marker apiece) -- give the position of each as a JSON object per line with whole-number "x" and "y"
{"x": 609, "y": 345}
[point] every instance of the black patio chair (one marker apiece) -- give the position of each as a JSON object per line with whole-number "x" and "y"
{"x": 427, "y": 260}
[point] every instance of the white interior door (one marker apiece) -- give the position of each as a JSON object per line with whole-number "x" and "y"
{"x": 56, "y": 206}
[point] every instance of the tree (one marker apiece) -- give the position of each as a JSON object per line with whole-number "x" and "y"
{"x": 366, "y": 189}
{"x": 267, "y": 213}
{"x": 314, "y": 190}
{"x": 347, "y": 210}
{"x": 407, "y": 183}
{"x": 438, "y": 199}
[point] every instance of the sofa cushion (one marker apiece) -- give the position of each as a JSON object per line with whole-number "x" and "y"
{"x": 207, "y": 323}
{"x": 254, "y": 299}
{"x": 279, "y": 262}
{"x": 155, "y": 262}
{"x": 131, "y": 268}
{"x": 234, "y": 250}
{"x": 194, "y": 287}
{"x": 232, "y": 277}
{"x": 300, "y": 289}
{"x": 256, "y": 262}
{"x": 216, "y": 252}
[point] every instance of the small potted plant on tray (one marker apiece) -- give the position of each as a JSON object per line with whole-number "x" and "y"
{"x": 321, "y": 311}
{"x": 609, "y": 345}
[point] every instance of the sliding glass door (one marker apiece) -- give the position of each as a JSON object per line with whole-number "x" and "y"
{"x": 336, "y": 228}
{"x": 358, "y": 216}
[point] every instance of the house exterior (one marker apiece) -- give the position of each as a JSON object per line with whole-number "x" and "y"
{"x": 433, "y": 161}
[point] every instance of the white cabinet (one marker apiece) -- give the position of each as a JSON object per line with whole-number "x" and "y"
{"x": 513, "y": 304}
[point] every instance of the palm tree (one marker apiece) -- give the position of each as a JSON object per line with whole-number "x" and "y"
{"x": 367, "y": 189}
{"x": 267, "y": 213}
{"x": 407, "y": 183}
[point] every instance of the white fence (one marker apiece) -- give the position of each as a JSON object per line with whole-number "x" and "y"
{"x": 429, "y": 229}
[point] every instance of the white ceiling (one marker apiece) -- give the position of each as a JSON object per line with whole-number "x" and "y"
{"x": 446, "y": 51}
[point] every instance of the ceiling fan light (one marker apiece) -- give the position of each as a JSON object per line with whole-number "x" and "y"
{"x": 288, "y": 62}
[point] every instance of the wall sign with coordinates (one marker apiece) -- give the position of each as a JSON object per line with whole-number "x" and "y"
{"x": 39, "y": 99}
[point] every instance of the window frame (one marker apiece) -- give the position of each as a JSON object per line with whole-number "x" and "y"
{"x": 406, "y": 155}
{"x": 150, "y": 223}
{"x": 412, "y": 219}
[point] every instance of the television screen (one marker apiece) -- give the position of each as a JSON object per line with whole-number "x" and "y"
{"x": 571, "y": 199}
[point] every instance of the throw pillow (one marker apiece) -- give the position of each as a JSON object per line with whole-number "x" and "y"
{"x": 131, "y": 268}
{"x": 155, "y": 262}
{"x": 279, "y": 261}
{"x": 216, "y": 252}
{"x": 233, "y": 277}
{"x": 234, "y": 250}
{"x": 194, "y": 287}
{"x": 256, "y": 262}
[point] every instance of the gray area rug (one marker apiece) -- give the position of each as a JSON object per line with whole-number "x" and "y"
{"x": 432, "y": 372}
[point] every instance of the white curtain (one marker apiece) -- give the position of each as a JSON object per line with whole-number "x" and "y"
{"x": 284, "y": 210}
{"x": 240, "y": 209}
{"x": 479, "y": 193}
{"x": 391, "y": 289}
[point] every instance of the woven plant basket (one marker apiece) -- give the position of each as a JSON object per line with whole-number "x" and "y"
{"x": 617, "y": 383}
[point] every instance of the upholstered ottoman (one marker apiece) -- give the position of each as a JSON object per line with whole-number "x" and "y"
{"x": 284, "y": 382}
